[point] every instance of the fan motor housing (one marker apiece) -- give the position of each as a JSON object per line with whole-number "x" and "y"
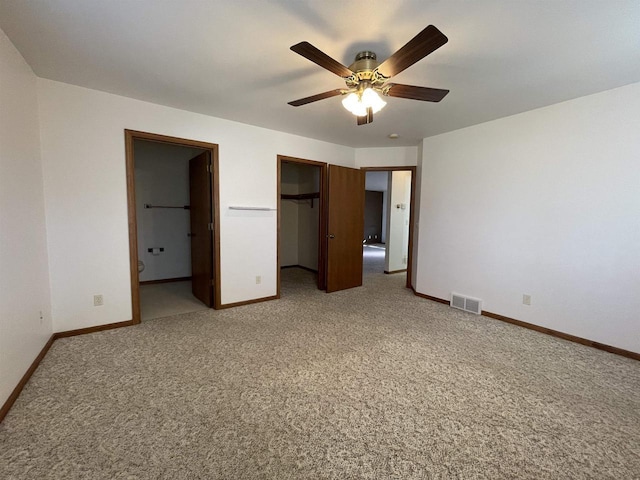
{"x": 364, "y": 68}
{"x": 365, "y": 60}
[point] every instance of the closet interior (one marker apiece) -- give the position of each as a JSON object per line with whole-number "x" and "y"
{"x": 163, "y": 214}
{"x": 299, "y": 215}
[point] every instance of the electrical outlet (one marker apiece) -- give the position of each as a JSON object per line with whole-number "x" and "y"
{"x": 98, "y": 300}
{"x": 258, "y": 279}
{"x": 526, "y": 299}
{"x": 404, "y": 260}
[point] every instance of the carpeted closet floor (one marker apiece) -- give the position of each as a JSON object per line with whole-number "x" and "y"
{"x": 369, "y": 383}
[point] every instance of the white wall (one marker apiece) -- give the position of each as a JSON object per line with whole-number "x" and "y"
{"x": 386, "y": 157}
{"x": 24, "y": 276}
{"x": 398, "y": 231}
{"x": 82, "y": 135}
{"x": 544, "y": 203}
{"x": 162, "y": 178}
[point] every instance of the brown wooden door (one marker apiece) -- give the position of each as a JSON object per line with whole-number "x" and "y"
{"x": 200, "y": 181}
{"x": 345, "y": 228}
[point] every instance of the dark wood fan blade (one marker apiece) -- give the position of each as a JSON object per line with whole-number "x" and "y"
{"x": 368, "y": 118}
{"x": 318, "y": 57}
{"x": 426, "y": 42}
{"x": 416, "y": 93}
{"x": 315, "y": 98}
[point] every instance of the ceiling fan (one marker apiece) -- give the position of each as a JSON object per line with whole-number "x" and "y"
{"x": 366, "y": 78}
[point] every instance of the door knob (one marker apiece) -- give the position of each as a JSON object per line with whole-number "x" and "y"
{"x": 331, "y": 235}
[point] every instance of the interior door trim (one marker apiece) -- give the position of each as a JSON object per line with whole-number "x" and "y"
{"x": 322, "y": 205}
{"x": 129, "y": 137}
{"x": 412, "y": 212}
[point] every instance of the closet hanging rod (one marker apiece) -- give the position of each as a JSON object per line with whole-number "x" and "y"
{"x": 300, "y": 196}
{"x": 148, "y": 205}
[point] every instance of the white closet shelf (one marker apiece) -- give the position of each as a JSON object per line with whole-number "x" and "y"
{"x": 262, "y": 209}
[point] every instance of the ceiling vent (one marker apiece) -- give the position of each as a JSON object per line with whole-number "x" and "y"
{"x": 468, "y": 304}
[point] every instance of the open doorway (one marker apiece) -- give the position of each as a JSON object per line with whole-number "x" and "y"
{"x": 301, "y": 226}
{"x": 173, "y": 228}
{"x": 388, "y": 234}
{"x": 339, "y": 192}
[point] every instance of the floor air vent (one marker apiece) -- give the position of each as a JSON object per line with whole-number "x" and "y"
{"x": 468, "y": 304}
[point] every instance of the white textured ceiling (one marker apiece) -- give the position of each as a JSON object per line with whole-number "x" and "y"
{"x": 231, "y": 59}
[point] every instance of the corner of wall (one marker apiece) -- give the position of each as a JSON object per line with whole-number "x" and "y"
{"x": 25, "y": 298}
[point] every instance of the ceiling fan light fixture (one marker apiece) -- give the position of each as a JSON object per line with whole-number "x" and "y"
{"x": 366, "y": 78}
{"x": 370, "y": 98}
{"x": 359, "y": 103}
{"x": 352, "y": 103}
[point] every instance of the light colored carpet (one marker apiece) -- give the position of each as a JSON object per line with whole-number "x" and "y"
{"x": 166, "y": 299}
{"x": 370, "y": 383}
{"x": 373, "y": 259}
